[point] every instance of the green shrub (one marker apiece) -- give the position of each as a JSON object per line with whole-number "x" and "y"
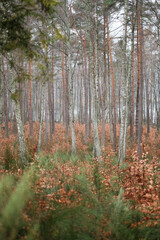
{"x": 121, "y": 218}
{"x": 9, "y": 159}
{"x": 80, "y": 221}
{"x": 14, "y": 198}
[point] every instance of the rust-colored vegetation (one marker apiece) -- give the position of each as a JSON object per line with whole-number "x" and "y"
{"x": 82, "y": 196}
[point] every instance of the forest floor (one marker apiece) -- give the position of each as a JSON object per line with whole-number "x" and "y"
{"x": 61, "y": 196}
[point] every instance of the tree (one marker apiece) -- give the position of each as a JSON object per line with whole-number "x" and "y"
{"x": 15, "y": 34}
{"x": 70, "y": 78}
{"x": 124, "y": 111}
{"x": 139, "y": 105}
{"x": 113, "y": 87}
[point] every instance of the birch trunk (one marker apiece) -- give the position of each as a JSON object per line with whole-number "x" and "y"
{"x": 66, "y": 93}
{"x": 30, "y": 102}
{"x": 41, "y": 116}
{"x": 20, "y": 128}
{"x": 147, "y": 102}
{"x": 64, "y": 85}
{"x": 80, "y": 98}
{"x": 86, "y": 92}
{"x": 124, "y": 91}
{"x": 89, "y": 93}
{"x": 70, "y": 80}
{"x": 113, "y": 87}
{"x": 52, "y": 99}
{"x": 46, "y": 119}
{"x": 104, "y": 85}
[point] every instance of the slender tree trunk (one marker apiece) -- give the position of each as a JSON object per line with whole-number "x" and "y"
{"x": 1, "y": 83}
{"x": 95, "y": 47}
{"x": 90, "y": 100}
{"x": 52, "y": 99}
{"x": 158, "y": 109}
{"x": 80, "y": 98}
{"x": 46, "y": 120}
{"x": 41, "y": 116}
{"x": 70, "y": 80}
{"x": 104, "y": 85}
{"x": 139, "y": 112}
{"x": 64, "y": 85}
{"x": 66, "y": 93}
{"x": 97, "y": 149}
{"x": 124, "y": 94}
{"x": 86, "y": 92}
{"x": 113, "y": 87}
{"x": 147, "y": 103}
{"x": 110, "y": 101}
{"x": 50, "y": 109}
{"x": 132, "y": 78}
{"x": 30, "y": 102}
{"x": 151, "y": 95}
{"x": 5, "y": 99}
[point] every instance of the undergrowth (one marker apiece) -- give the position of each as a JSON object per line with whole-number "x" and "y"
{"x": 60, "y": 196}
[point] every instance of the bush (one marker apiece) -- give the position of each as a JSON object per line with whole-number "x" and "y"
{"x": 13, "y": 201}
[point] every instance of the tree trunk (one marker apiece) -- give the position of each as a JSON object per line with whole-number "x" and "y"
{"x": 70, "y": 80}
{"x": 90, "y": 100}
{"x": 124, "y": 94}
{"x": 52, "y": 97}
{"x": 147, "y": 102}
{"x": 46, "y": 120}
{"x": 41, "y": 116}
{"x": 86, "y": 92}
{"x": 5, "y": 84}
{"x": 63, "y": 82}
{"x": 104, "y": 85}
{"x": 132, "y": 78}
{"x": 97, "y": 149}
{"x": 80, "y": 98}
{"x": 139, "y": 112}
{"x": 151, "y": 94}
{"x": 20, "y": 129}
{"x": 113, "y": 88}
{"x": 66, "y": 93}
{"x": 30, "y": 102}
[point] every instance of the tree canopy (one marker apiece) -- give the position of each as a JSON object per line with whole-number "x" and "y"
{"x": 14, "y": 27}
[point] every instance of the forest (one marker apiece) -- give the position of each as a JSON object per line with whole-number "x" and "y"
{"x": 79, "y": 120}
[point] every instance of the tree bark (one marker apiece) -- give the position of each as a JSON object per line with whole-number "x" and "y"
{"x": 70, "y": 80}
{"x": 20, "y": 128}
{"x": 147, "y": 103}
{"x": 124, "y": 93}
{"x": 41, "y": 116}
{"x": 113, "y": 88}
{"x": 30, "y": 102}
{"x": 132, "y": 78}
{"x": 139, "y": 112}
{"x": 104, "y": 84}
{"x": 97, "y": 149}
{"x": 86, "y": 92}
{"x": 5, "y": 103}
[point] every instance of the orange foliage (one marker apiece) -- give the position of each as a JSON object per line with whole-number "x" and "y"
{"x": 140, "y": 179}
